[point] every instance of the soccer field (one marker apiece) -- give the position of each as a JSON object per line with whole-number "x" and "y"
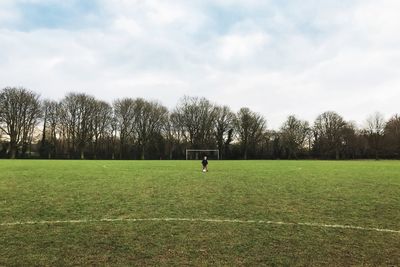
{"x": 170, "y": 213}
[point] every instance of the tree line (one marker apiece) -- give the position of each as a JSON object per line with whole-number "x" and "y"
{"x": 83, "y": 127}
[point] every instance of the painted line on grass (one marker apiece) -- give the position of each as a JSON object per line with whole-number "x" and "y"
{"x": 319, "y": 225}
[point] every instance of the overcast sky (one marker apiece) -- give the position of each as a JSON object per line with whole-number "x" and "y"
{"x": 277, "y": 57}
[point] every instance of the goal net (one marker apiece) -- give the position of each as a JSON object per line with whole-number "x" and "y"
{"x": 198, "y": 154}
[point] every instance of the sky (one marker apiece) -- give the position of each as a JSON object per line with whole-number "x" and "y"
{"x": 277, "y": 57}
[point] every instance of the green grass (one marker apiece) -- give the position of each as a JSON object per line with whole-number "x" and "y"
{"x": 358, "y": 193}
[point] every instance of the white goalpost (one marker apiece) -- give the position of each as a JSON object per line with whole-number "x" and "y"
{"x": 197, "y": 154}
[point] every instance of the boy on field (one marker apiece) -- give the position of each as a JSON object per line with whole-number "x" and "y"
{"x": 204, "y": 162}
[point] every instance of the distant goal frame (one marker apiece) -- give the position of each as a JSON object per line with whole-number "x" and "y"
{"x": 203, "y": 150}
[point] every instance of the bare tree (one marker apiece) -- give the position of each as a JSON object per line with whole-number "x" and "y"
{"x": 68, "y": 121}
{"x": 80, "y": 126}
{"x": 102, "y": 124}
{"x": 375, "y": 126}
{"x": 196, "y": 116}
{"x": 20, "y": 112}
{"x": 175, "y": 137}
{"x": 392, "y": 136}
{"x": 113, "y": 138}
{"x": 149, "y": 119}
{"x": 125, "y": 117}
{"x": 170, "y": 135}
{"x": 328, "y": 133}
{"x": 294, "y": 134}
{"x": 77, "y": 115}
{"x": 224, "y": 125}
{"x": 350, "y": 143}
{"x": 250, "y": 127}
{"x": 51, "y": 110}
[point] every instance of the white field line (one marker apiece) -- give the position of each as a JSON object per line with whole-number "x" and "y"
{"x": 319, "y": 225}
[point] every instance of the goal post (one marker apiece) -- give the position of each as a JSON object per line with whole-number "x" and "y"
{"x": 196, "y": 154}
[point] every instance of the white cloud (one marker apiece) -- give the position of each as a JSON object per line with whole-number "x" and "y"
{"x": 241, "y": 46}
{"x": 379, "y": 19}
{"x": 158, "y": 15}
{"x": 247, "y": 4}
{"x": 278, "y": 60}
{"x": 8, "y": 13}
{"x": 127, "y": 25}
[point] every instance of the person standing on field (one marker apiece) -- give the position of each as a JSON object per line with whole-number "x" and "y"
{"x": 205, "y": 164}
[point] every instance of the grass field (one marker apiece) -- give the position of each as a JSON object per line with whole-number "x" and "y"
{"x": 363, "y": 194}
